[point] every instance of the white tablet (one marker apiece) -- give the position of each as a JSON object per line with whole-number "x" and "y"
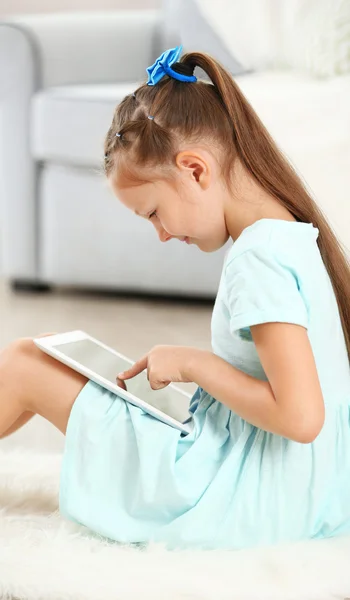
{"x": 102, "y": 364}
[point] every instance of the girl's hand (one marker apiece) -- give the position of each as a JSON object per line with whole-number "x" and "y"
{"x": 164, "y": 364}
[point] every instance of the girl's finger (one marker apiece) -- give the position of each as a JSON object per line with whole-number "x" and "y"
{"x": 121, "y": 384}
{"x": 137, "y": 368}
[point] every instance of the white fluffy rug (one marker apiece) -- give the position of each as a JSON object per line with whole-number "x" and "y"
{"x": 44, "y": 558}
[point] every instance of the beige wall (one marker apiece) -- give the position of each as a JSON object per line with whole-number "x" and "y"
{"x": 8, "y": 7}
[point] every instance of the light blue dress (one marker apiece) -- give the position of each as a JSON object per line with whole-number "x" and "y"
{"x": 228, "y": 484}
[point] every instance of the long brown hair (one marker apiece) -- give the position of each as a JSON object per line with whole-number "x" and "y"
{"x": 149, "y": 126}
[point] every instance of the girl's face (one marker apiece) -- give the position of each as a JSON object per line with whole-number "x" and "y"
{"x": 190, "y": 210}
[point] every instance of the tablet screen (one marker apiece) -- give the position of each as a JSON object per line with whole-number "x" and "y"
{"x": 108, "y": 365}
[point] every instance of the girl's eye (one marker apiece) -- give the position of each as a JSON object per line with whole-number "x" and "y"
{"x": 154, "y": 214}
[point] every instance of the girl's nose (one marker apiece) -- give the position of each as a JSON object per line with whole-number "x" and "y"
{"x": 164, "y": 236}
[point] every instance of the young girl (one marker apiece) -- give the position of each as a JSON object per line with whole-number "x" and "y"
{"x": 268, "y": 459}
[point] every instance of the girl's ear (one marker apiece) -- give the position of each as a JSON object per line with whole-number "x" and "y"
{"x": 195, "y": 166}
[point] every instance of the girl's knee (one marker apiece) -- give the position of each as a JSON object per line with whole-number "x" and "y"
{"x": 22, "y": 350}
{"x": 19, "y": 350}
{"x": 38, "y": 383}
{"x": 14, "y": 361}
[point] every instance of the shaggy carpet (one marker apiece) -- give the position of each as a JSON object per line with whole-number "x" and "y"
{"x": 43, "y": 557}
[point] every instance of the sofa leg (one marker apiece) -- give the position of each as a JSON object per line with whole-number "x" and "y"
{"x": 24, "y": 285}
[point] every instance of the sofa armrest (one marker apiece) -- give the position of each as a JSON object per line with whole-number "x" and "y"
{"x": 90, "y": 47}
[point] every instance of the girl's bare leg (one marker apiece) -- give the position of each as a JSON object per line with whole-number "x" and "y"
{"x": 32, "y": 382}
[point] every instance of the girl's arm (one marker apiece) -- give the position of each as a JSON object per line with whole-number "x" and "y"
{"x": 290, "y": 403}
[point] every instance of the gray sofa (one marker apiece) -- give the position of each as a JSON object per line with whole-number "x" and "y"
{"x": 61, "y": 76}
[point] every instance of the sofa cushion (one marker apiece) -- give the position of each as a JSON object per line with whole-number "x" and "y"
{"x": 311, "y": 36}
{"x": 69, "y": 123}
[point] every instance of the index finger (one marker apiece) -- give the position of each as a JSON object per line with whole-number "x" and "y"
{"x": 121, "y": 384}
{"x": 136, "y": 368}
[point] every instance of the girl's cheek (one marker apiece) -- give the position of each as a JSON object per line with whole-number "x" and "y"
{"x": 169, "y": 226}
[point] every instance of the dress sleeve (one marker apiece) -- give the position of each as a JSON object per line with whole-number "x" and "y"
{"x": 259, "y": 289}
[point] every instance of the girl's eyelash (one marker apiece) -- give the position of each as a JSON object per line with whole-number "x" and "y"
{"x": 154, "y": 214}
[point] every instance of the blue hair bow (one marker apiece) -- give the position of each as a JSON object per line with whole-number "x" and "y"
{"x": 162, "y": 67}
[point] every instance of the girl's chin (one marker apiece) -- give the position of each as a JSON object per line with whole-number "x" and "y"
{"x": 209, "y": 246}
{"x": 204, "y": 245}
